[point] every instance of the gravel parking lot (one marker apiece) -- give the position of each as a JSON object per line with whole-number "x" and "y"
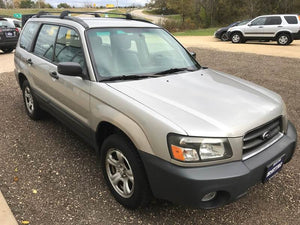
{"x": 49, "y": 176}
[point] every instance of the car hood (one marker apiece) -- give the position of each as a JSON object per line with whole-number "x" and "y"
{"x": 206, "y": 102}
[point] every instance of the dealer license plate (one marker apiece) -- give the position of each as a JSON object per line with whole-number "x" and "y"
{"x": 9, "y": 34}
{"x": 273, "y": 168}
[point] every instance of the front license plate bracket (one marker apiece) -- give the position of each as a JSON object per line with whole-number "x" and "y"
{"x": 273, "y": 168}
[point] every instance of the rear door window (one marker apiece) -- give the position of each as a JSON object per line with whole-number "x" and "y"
{"x": 273, "y": 20}
{"x": 291, "y": 19}
{"x": 28, "y": 34}
{"x": 44, "y": 46}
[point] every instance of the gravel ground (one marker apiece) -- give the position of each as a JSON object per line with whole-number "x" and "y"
{"x": 7, "y": 62}
{"x": 49, "y": 176}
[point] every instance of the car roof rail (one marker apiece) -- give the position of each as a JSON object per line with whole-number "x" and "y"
{"x": 96, "y": 14}
{"x": 66, "y": 15}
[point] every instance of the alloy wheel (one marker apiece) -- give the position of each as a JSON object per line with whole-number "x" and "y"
{"x": 119, "y": 173}
{"x": 29, "y": 100}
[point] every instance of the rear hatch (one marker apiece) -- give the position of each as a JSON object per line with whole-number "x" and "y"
{"x": 7, "y": 31}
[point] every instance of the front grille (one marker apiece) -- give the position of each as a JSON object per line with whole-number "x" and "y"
{"x": 261, "y": 135}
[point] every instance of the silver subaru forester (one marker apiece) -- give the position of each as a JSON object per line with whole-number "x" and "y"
{"x": 163, "y": 126}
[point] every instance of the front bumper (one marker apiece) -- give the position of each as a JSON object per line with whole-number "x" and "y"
{"x": 187, "y": 186}
{"x": 217, "y": 34}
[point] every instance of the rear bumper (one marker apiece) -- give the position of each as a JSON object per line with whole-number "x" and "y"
{"x": 8, "y": 43}
{"x": 296, "y": 36}
{"x": 187, "y": 186}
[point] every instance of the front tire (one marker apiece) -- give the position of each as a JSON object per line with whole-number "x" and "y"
{"x": 236, "y": 38}
{"x": 32, "y": 107}
{"x": 124, "y": 172}
{"x": 284, "y": 39}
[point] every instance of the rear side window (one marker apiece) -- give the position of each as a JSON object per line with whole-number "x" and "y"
{"x": 44, "y": 46}
{"x": 27, "y": 35}
{"x": 291, "y": 19}
{"x": 273, "y": 20}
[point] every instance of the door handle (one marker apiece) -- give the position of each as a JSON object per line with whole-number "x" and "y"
{"x": 54, "y": 75}
{"x": 260, "y": 27}
{"x": 279, "y": 26}
{"x": 29, "y": 61}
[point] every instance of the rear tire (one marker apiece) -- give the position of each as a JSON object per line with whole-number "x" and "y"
{"x": 124, "y": 172}
{"x": 236, "y": 38}
{"x": 32, "y": 107}
{"x": 7, "y": 50}
{"x": 284, "y": 39}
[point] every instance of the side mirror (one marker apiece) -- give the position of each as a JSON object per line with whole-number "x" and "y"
{"x": 70, "y": 69}
{"x": 249, "y": 24}
{"x": 193, "y": 54}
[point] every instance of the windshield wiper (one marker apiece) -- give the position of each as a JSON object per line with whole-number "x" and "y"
{"x": 129, "y": 77}
{"x": 173, "y": 70}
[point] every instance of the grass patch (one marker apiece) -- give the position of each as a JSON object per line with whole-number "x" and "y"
{"x": 120, "y": 10}
{"x": 151, "y": 12}
{"x": 155, "y": 13}
{"x": 198, "y": 32}
{"x": 174, "y": 17}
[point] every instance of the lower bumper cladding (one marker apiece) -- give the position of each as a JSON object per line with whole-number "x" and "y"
{"x": 226, "y": 182}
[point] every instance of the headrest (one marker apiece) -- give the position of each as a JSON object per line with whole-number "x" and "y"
{"x": 123, "y": 41}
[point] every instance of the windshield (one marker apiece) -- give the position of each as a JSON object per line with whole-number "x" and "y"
{"x": 6, "y": 24}
{"x": 243, "y": 22}
{"x": 131, "y": 51}
{"x": 233, "y": 24}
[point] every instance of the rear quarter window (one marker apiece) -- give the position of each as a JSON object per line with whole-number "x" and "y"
{"x": 28, "y": 35}
{"x": 291, "y": 19}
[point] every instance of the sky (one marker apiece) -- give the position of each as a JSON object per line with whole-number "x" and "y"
{"x": 97, "y": 2}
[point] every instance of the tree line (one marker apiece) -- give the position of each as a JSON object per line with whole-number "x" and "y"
{"x": 29, "y": 4}
{"x": 9, "y": 4}
{"x": 207, "y": 13}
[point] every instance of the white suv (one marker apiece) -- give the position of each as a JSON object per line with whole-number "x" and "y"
{"x": 281, "y": 28}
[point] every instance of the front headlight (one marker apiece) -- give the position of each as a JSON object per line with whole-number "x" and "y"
{"x": 230, "y": 29}
{"x": 196, "y": 149}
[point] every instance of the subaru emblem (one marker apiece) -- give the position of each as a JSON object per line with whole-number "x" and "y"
{"x": 266, "y": 135}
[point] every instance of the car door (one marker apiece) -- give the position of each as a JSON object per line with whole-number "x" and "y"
{"x": 272, "y": 25}
{"x": 66, "y": 96}
{"x": 255, "y": 28}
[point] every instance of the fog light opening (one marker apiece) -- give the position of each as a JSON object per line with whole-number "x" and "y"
{"x": 208, "y": 197}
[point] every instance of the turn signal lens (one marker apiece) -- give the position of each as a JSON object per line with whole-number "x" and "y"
{"x": 177, "y": 152}
{"x": 184, "y": 154}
